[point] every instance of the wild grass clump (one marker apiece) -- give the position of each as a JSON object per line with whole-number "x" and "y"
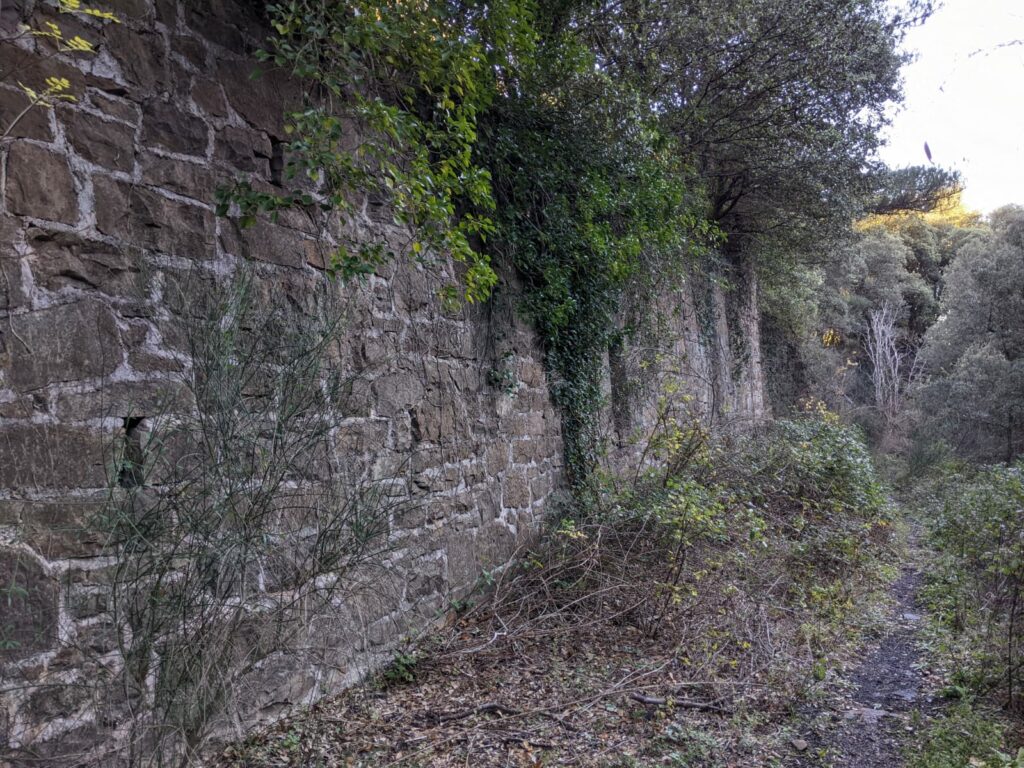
{"x": 965, "y": 735}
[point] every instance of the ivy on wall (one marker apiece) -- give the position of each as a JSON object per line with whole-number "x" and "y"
{"x": 393, "y": 92}
{"x": 595, "y": 147}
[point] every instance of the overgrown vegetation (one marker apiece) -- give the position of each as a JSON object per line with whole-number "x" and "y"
{"x": 598, "y": 149}
{"x": 231, "y": 523}
{"x": 679, "y": 619}
{"x": 976, "y": 523}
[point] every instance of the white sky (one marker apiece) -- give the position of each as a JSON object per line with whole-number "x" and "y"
{"x": 969, "y": 108}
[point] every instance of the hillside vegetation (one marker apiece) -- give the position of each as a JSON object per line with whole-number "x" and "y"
{"x": 679, "y": 610}
{"x": 825, "y": 465}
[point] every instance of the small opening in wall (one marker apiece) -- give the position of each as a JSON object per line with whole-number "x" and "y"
{"x": 414, "y": 426}
{"x": 276, "y": 162}
{"x": 132, "y": 460}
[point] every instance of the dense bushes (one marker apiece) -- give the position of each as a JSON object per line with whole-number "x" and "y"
{"x": 976, "y": 518}
{"x": 785, "y": 527}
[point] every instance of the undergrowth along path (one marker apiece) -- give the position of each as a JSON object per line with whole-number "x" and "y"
{"x": 868, "y": 727}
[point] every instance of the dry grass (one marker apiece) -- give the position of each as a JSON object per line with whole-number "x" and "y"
{"x": 576, "y": 658}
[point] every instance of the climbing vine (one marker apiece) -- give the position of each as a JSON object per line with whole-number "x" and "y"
{"x": 592, "y": 198}
{"x": 393, "y": 92}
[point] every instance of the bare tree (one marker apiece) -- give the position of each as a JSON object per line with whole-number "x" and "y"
{"x": 894, "y": 366}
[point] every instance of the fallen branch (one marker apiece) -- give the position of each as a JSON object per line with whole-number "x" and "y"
{"x": 703, "y": 706}
{"x": 490, "y": 707}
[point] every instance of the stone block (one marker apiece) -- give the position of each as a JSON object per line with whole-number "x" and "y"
{"x": 209, "y": 97}
{"x": 397, "y": 392}
{"x": 195, "y": 180}
{"x": 142, "y": 217}
{"x": 244, "y": 150}
{"x": 192, "y": 49}
{"x": 515, "y": 490}
{"x": 142, "y": 57}
{"x": 165, "y": 125}
{"x": 460, "y": 548}
{"x": 58, "y": 528}
{"x": 542, "y": 486}
{"x": 127, "y": 10}
{"x": 124, "y": 399}
{"x": 19, "y": 408}
{"x": 29, "y": 598}
{"x": 65, "y": 343}
{"x": 210, "y": 20}
{"x": 267, "y": 242}
{"x": 494, "y": 545}
{"x": 102, "y": 142}
{"x": 34, "y": 124}
{"x": 62, "y": 260}
{"x": 262, "y": 101}
{"x": 39, "y": 184}
{"x": 434, "y": 423}
{"x": 359, "y": 437}
{"x": 114, "y": 106}
{"x": 51, "y": 456}
{"x": 12, "y": 285}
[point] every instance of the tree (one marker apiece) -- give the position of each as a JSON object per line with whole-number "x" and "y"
{"x": 893, "y": 366}
{"x": 974, "y": 354}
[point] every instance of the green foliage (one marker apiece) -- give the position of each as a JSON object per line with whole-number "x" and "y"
{"x": 975, "y": 523}
{"x": 402, "y": 668}
{"x": 393, "y": 94}
{"x": 974, "y": 356}
{"x": 963, "y": 737}
{"x": 821, "y": 464}
{"x": 596, "y": 148}
{"x": 592, "y": 197}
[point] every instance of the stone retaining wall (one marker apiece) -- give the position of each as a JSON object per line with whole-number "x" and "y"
{"x": 107, "y": 226}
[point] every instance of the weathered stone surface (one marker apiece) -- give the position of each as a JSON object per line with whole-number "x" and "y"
{"x": 39, "y": 184}
{"x": 515, "y": 490}
{"x": 125, "y": 399}
{"x": 243, "y": 150}
{"x": 397, "y": 392}
{"x": 142, "y": 57}
{"x": 195, "y": 180}
{"x": 103, "y": 142}
{"x": 165, "y": 125}
{"x": 64, "y": 259}
{"x": 58, "y": 528}
{"x": 40, "y": 456}
{"x": 34, "y": 124}
{"x": 209, "y": 97}
{"x": 65, "y": 343}
{"x": 268, "y": 243}
{"x": 127, "y": 10}
{"x": 262, "y": 101}
{"x": 30, "y": 606}
{"x": 115, "y": 106}
{"x": 12, "y": 286}
{"x": 210, "y": 19}
{"x": 192, "y": 49}
{"x": 143, "y": 217}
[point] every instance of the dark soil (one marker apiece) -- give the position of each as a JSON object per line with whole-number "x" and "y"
{"x": 868, "y": 727}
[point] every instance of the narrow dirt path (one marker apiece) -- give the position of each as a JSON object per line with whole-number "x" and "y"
{"x": 868, "y": 727}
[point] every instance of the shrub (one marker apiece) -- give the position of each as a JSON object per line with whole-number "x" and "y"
{"x": 976, "y": 520}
